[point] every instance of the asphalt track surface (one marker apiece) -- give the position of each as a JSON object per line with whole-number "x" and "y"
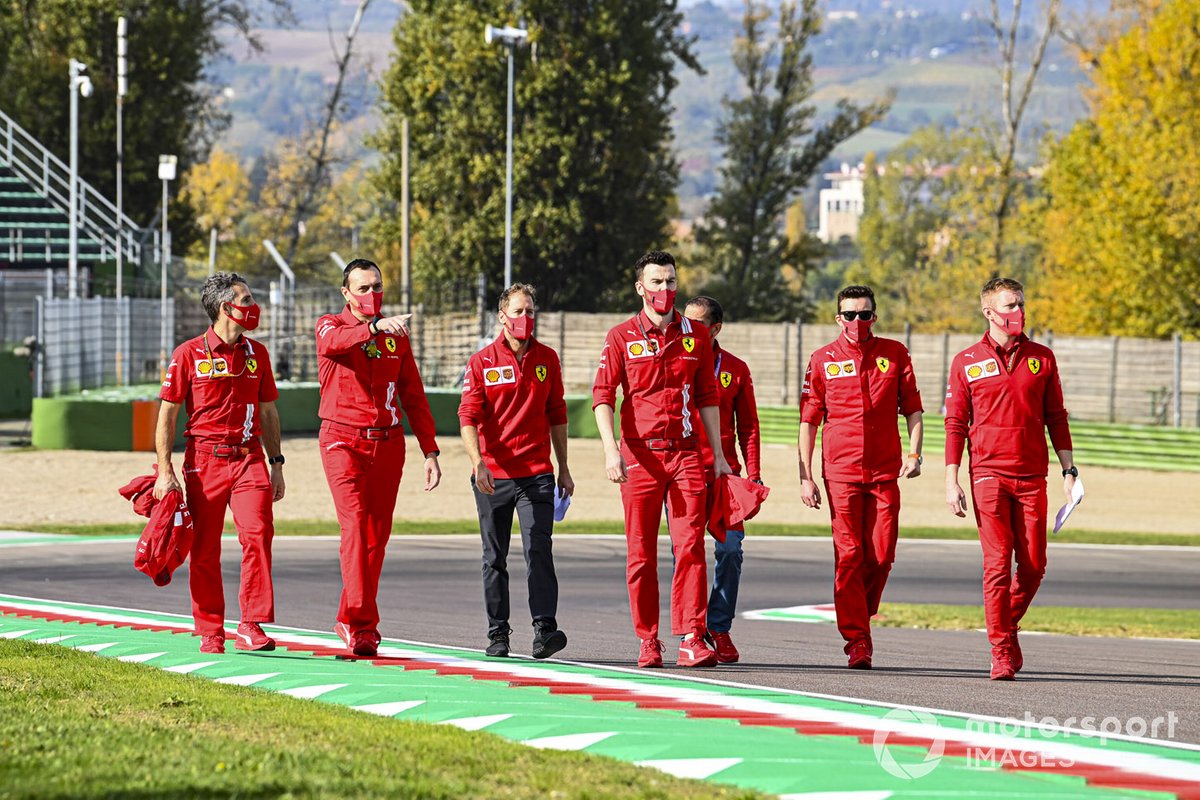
{"x": 431, "y": 592}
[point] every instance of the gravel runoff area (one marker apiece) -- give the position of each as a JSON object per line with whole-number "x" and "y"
{"x": 80, "y": 487}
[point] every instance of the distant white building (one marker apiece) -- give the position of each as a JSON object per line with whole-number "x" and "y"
{"x": 841, "y": 205}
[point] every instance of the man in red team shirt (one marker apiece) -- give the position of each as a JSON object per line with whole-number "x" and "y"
{"x": 1003, "y": 396}
{"x": 855, "y": 385}
{"x": 512, "y": 409}
{"x": 663, "y": 364}
{"x": 367, "y": 372}
{"x": 224, "y": 379}
{"x": 739, "y": 428}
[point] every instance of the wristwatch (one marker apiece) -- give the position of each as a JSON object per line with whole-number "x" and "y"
{"x": 433, "y": 454}
{"x": 917, "y": 456}
{"x": 273, "y": 460}
{"x": 1073, "y": 471}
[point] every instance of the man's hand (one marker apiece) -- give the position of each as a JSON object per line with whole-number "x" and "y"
{"x": 720, "y": 465}
{"x": 810, "y": 495}
{"x": 433, "y": 473}
{"x": 485, "y": 482}
{"x": 165, "y": 483}
{"x": 614, "y": 466}
{"x": 956, "y": 499}
{"x": 397, "y": 325}
{"x": 911, "y": 468}
{"x": 277, "y": 485}
{"x": 1068, "y": 486}
{"x": 565, "y": 483}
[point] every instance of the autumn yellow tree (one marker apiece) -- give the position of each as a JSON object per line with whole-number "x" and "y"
{"x": 218, "y": 192}
{"x": 1122, "y": 233}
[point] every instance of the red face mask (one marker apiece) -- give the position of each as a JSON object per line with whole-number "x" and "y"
{"x": 858, "y": 330}
{"x": 661, "y": 301}
{"x": 246, "y": 316}
{"x": 370, "y": 304}
{"x": 1012, "y": 322}
{"x": 521, "y": 327}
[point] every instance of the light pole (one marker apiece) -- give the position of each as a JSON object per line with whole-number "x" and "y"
{"x": 80, "y": 85}
{"x": 511, "y": 37}
{"x": 166, "y": 173}
{"x": 122, "y": 85}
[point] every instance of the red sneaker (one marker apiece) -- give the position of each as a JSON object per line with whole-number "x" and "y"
{"x": 651, "y": 653}
{"x": 860, "y": 655}
{"x": 723, "y": 644}
{"x": 362, "y": 643}
{"x": 1003, "y": 668}
{"x": 693, "y": 652}
{"x": 212, "y": 644}
{"x": 250, "y": 636}
{"x": 1018, "y": 659}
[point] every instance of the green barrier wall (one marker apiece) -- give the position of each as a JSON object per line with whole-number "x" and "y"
{"x": 16, "y": 387}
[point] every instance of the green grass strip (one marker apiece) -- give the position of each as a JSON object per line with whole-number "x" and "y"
{"x": 316, "y": 527}
{"x": 1075, "y": 621}
{"x": 73, "y": 725}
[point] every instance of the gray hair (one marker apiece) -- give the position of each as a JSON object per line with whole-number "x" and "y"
{"x": 218, "y": 289}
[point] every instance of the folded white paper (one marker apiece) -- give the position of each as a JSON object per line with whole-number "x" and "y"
{"x": 1060, "y": 519}
{"x": 562, "y": 501}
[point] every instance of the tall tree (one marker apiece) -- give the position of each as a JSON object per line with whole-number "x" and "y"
{"x": 593, "y": 166}
{"x": 773, "y": 147}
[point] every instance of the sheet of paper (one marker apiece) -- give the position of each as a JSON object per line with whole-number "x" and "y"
{"x": 562, "y": 501}
{"x": 1060, "y": 519}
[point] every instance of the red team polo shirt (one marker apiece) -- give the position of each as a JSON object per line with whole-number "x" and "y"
{"x": 365, "y": 379}
{"x": 665, "y": 377}
{"x": 739, "y": 416}
{"x": 1003, "y": 402}
{"x": 221, "y": 387}
{"x": 514, "y": 404}
{"x": 858, "y": 392}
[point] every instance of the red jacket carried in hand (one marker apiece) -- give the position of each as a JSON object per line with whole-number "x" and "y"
{"x": 732, "y": 501}
{"x": 167, "y": 538}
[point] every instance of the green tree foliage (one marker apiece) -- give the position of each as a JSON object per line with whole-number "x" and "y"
{"x": 168, "y": 109}
{"x": 1122, "y": 235}
{"x": 773, "y": 147}
{"x": 593, "y": 166}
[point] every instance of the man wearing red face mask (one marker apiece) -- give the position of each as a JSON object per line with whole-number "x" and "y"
{"x": 663, "y": 364}
{"x": 1004, "y": 395}
{"x": 368, "y": 374}
{"x": 225, "y": 380}
{"x": 855, "y": 385}
{"x": 512, "y": 410}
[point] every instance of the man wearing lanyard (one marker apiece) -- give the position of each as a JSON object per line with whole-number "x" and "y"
{"x": 367, "y": 373}
{"x": 1004, "y": 395}
{"x": 663, "y": 364}
{"x": 855, "y": 385}
{"x": 224, "y": 379}
{"x": 739, "y": 428}
{"x": 512, "y": 409}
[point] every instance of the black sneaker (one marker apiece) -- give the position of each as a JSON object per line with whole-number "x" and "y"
{"x": 547, "y": 639}
{"x": 498, "y": 643}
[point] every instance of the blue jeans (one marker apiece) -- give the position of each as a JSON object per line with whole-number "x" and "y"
{"x": 722, "y": 602}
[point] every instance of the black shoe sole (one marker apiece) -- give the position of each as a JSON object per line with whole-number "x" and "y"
{"x": 554, "y": 641}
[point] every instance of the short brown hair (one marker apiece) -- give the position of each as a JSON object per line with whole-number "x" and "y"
{"x": 658, "y": 257}
{"x": 522, "y": 288}
{"x": 999, "y": 284}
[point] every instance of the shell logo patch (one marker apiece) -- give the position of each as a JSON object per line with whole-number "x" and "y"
{"x": 203, "y": 367}
{"x": 1035, "y": 365}
{"x": 540, "y": 372}
{"x": 390, "y": 344}
{"x": 726, "y": 379}
{"x": 499, "y": 377}
{"x": 638, "y": 349}
{"x": 689, "y": 343}
{"x": 839, "y": 369}
{"x": 252, "y": 365}
{"x": 882, "y": 363}
{"x": 492, "y": 375}
{"x": 982, "y": 369}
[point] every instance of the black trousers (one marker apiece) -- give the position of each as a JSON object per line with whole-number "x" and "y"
{"x": 533, "y": 501}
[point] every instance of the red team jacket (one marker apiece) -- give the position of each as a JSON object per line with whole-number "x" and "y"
{"x": 739, "y": 416}
{"x": 665, "y": 377}
{"x": 1003, "y": 403}
{"x": 221, "y": 386}
{"x": 514, "y": 404}
{"x": 858, "y": 392}
{"x": 365, "y": 379}
{"x": 167, "y": 538}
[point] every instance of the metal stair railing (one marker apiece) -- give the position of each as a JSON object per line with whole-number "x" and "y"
{"x": 51, "y": 178}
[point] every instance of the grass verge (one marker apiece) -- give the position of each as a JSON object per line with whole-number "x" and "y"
{"x": 1112, "y": 622}
{"x": 74, "y": 725}
{"x": 311, "y": 527}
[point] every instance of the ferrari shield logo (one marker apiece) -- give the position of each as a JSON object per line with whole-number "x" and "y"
{"x": 726, "y": 379}
{"x": 1035, "y": 365}
{"x": 882, "y": 363}
{"x": 390, "y": 344}
{"x": 689, "y": 344}
{"x": 252, "y": 365}
{"x": 541, "y": 372}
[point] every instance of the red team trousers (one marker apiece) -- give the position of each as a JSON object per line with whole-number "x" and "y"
{"x": 1011, "y": 515}
{"x": 865, "y": 521}
{"x": 243, "y": 485}
{"x": 675, "y": 477}
{"x": 364, "y": 476}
